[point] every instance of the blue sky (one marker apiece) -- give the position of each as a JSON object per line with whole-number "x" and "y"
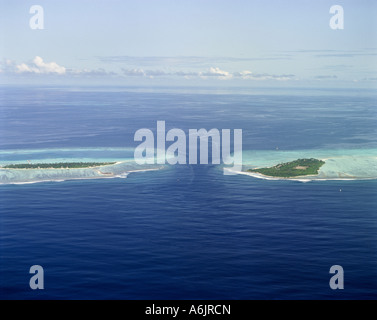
{"x": 195, "y": 42}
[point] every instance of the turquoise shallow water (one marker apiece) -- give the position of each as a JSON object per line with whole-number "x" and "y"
{"x": 122, "y": 156}
{"x": 339, "y": 164}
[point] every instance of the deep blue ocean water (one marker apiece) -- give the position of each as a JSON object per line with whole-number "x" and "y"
{"x": 188, "y": 231}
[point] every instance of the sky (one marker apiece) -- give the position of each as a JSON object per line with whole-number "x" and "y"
{"x": 189, "y": 42}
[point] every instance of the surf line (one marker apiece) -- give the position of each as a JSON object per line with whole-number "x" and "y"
{"x": 147, "y": 152}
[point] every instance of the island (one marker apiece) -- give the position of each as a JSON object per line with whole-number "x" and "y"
{"x": 299, "y": 167}
{"x": 58, "y": 165}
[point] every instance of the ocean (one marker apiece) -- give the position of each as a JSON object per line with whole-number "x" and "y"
{"x": 189, "y": 231}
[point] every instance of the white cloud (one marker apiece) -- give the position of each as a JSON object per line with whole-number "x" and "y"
{"x": 50, "y": 67}
{"x": 248, "y": 75}
{"x": 40, "y": 67}
{"x": 91, "y": 73}
{"x": 134, "y": 72}
{"x": 144, "y": 73}
{"x": 216, "y": 72}
{"x": 243, "y": 74}
{"x": 23, "y": 68}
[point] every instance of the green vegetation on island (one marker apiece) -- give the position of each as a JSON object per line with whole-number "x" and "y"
{"x": 300, "y": 167}
{"x": 59, "y": 165}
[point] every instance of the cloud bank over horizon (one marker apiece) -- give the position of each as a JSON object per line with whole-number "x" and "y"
{"x": 40, "y": 68}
